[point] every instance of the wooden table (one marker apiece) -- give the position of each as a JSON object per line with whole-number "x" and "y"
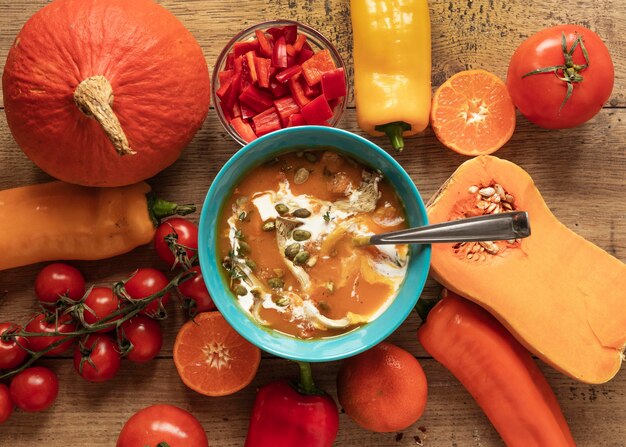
{"x": 581, "y": 173}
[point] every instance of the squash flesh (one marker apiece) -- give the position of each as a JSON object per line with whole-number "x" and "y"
{"x": 560, "y": 295}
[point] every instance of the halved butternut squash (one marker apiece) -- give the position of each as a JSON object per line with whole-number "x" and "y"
{"x": 559, "y": 295}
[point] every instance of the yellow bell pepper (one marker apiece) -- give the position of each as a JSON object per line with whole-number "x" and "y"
{"x": 392, "y": 66}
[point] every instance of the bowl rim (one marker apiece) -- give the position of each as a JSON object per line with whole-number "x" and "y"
{"x": 222, "y": 56}
{"x": 274, "y": 342}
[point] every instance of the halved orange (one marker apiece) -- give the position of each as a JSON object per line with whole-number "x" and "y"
{"x": 212, "y": 358}
{"x": 472, "y": 113}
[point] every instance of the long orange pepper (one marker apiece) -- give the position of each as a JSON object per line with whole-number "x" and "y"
{"x": 497, "y": 371}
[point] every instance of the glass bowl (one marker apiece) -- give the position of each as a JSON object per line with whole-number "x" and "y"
{"x": 317, "y": 42}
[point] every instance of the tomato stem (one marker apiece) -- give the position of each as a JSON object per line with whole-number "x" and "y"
{"x": 569, "y": 72}
{"x": 160, "y": 208}
{"x": 133, "y": 307}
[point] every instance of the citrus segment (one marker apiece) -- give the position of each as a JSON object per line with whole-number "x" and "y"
{"x": 473, "y": 113}
{"x": 212, "y": 358}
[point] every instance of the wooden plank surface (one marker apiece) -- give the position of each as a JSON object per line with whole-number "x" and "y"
{"x": 581, "y": 173}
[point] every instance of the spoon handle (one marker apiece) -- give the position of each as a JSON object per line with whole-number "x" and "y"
{"x": 492, "y": 227}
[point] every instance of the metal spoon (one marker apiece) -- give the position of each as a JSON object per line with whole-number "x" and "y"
{"x": 492, "y": 227}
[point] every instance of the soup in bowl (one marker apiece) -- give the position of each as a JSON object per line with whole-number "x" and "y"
{"x": 276, "y": 243}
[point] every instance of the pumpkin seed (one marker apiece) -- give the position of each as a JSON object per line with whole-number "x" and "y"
{"x": 323, "y": 306}
{"x": 482, "y": 205}
{"x": 276, "y": 283}
{"x": 490, "y": 247}
{"x": 301, "y": 258}
{"x": 301, "y": 235}
{"x": 301, "y": 176}
{"x": 292, "y": 250}
{"x": 472, "y": 189}
{"x": 281, "y": 208}
{"x": 251, "y": 264}
{"x": 302, "y": 213}
{"x": 240, "y": 290}
{"x": 487, "y": 192}
{"x": 495, "y": 198}
{"x": 491, "y": 207}
{"x": 470, "y": 255}
{"x": 244, "y": 248}
{"x": 269, "y": 225}
{"x": 509, "y": 198}
{"x": 499, "y": 190}
{"x": 507, "y": 205}
{"x": 310, "y": 157}
{"x": 282, "y": 301}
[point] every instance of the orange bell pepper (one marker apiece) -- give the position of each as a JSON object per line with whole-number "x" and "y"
{"x": 497, "y": 371}
{"x": 392, "y": 66}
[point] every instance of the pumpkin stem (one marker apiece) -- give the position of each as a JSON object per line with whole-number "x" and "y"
{"x": 94, "y": 97}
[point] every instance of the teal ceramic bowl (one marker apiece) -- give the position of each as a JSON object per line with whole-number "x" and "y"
{"x": 264, "y": 149}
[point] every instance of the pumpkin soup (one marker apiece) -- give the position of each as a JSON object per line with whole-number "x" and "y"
{"x": 286, "y": 237}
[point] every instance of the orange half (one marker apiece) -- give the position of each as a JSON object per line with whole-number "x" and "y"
{"x": 212, "y": 358}
{"x": 472, "y": 113}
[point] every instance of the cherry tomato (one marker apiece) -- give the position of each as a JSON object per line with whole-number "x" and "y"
{"x": 540, "y": 97}
{"x": 162, "y": 424}
{"x": 186, "y": 234}
{"x": 6, "y": 404}
{"x": 145, "y": 336}
{"x": 195, "y": 289}
{"x": 59, "y": 279}
{"x": 99, "y": 304}
{"x": 42, "y": 323}
{"x": 12, "y": 352}
{"x": 146, "y": 282}
{"x": 34, "y": 389}
{"x": 97, "y": 358}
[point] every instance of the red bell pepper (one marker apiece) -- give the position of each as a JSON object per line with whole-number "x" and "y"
{"x": 287, "y": 73}
{"x": 312, "y": 91}
{"x": 279, "y": 56}
{"x": 278, "y": 89}
{"x": 297, "y": 90}
{"x": 296, "y": 120}
{"x": 289, "y": 32}
{"x": 250, "y": 60}
{"x": 317, "y": 111}
{"x": 241, "y": 48}
{"x": 304, "y": 55}
{"x": 256, "y": 99}
{"x": 288, "y": 415}
{"x": 496, "y": 370}
{"x": 317, "y": 64}
{"x": 286, "y": 107}
{"x": 299, "y": 43}
{"x": 266, "y": 122}
{"x": 265, "y": 46}
{"x": 334, "y": 84}
{"x": 243, "y": 129}
{"x": 263, "y": 71}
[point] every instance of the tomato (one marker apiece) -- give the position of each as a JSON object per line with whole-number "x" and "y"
{"x": 59, "y": 279}
{"x": 195, "y": 289}
{"x": 34, "y": 389}
{"x": 97, "y": 358}
{"x": 12, "y": 352}
{"x": 43, "y": 323}
{"x": 146, "y": 282}
{"x": 185, "y": 234}
{"x": 6, "y": 403}
{"x": 162, "y": 424}
{"x": 145, "y": 336}
{"x": 539, "y": 97}
{"x": 99, "y": 304}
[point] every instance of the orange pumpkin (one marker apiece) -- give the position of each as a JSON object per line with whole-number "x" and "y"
{"x": 104, "y": 92}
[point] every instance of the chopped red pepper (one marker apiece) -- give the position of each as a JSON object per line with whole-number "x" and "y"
{"x": 299, "y": 43}
{"x": 246, "y": 112}
{"x": 334, "y": 83}
{"x": 287, "y": 73}
{"x": 224, "y": 76}
{"x": 312, "y": 91}
{"x": 262, "y": 66}
{"x": 286, "y": 107}
{"x": 256, "y": 99}
{"x": 266, "y": 122}
{"x": 303, "y": 56}
{"x": 317, "y": 111}
{"x": 296, "y": 120}
{"x": 279, "y": 56}
{"x": 229, "y": 61}
{"x": 297, "y": 90}
{"x": 278, "y": 89}
{"x": 241, "y": 48}
{"x": 265, "y": 46}
{"x": 289, "y": 32}
{"x": 291, "y": 51}
{"x": 243, "y": 129}
{"x": 318, "y": 64}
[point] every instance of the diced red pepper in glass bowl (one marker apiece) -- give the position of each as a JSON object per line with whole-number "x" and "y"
{"x": 278, "y": 74}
